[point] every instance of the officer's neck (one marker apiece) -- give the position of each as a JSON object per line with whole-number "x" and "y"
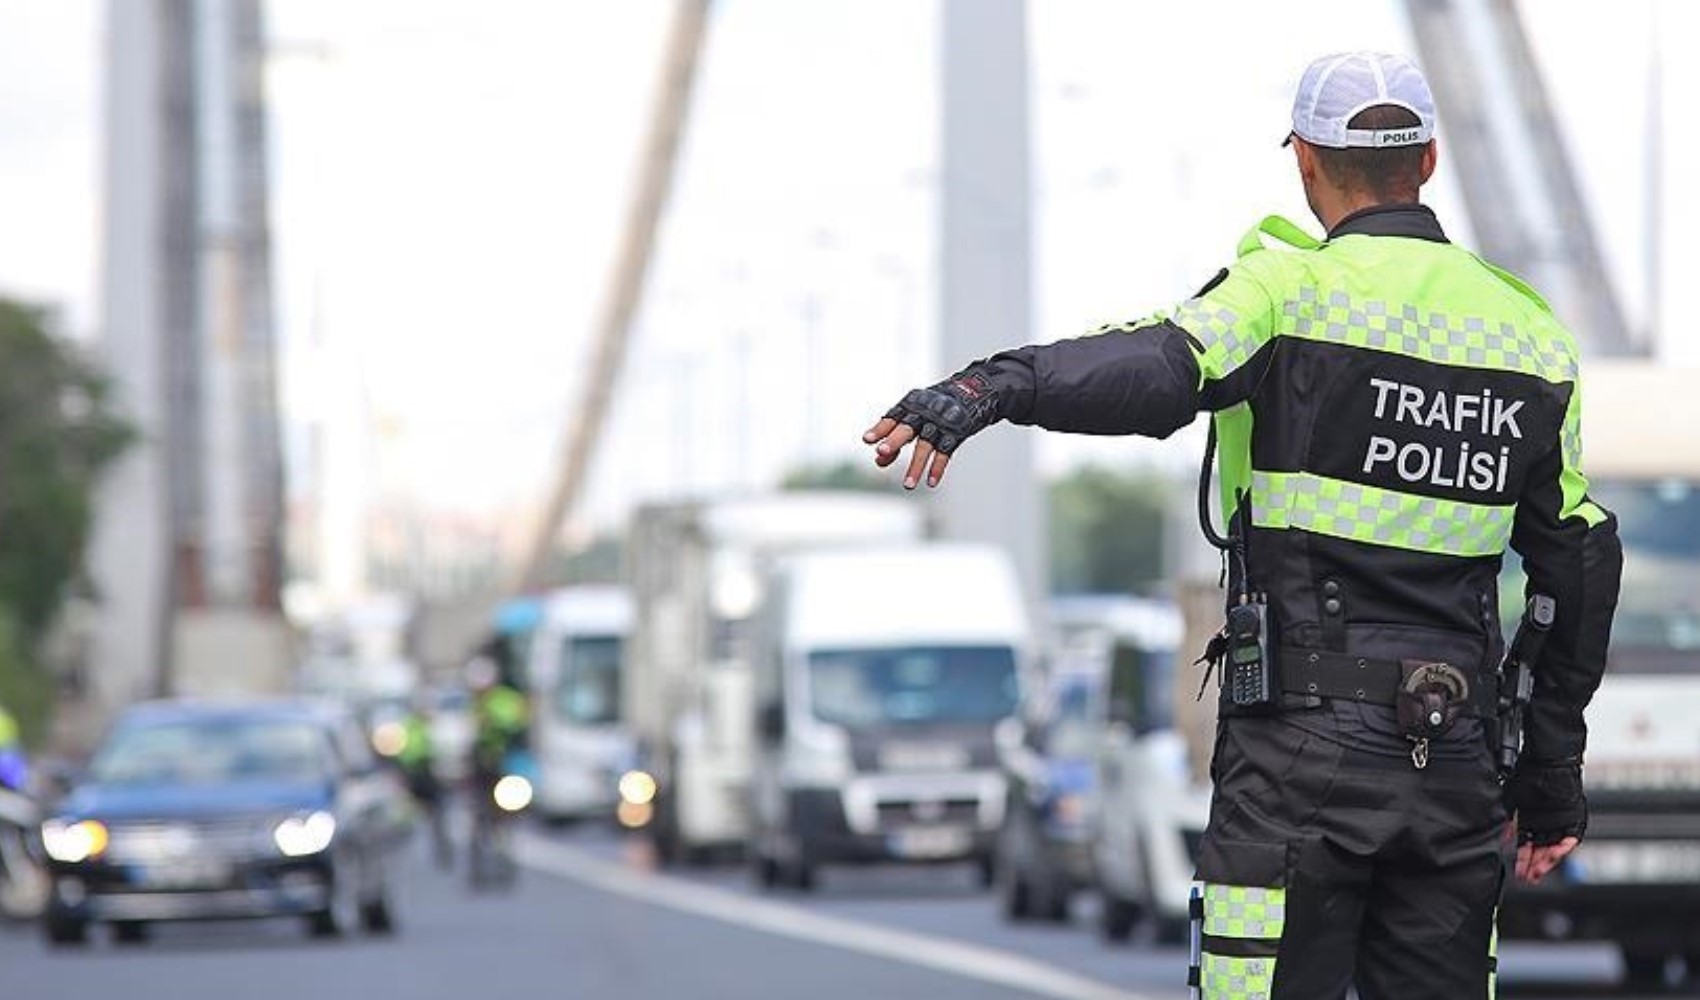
{"x": 1332, "y": 205}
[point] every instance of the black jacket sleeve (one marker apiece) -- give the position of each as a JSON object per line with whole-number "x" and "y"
{"x": 1140, "y": 381}
{"x": 1151, "y": 377}
{"x": 1571, "y": 552}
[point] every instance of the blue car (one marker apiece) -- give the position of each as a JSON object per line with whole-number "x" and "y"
{"x": 196, "y": 811}
{"x": 1045, "y": 844}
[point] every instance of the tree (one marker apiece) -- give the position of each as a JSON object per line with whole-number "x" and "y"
{"x": 844, "y": 475}
{"x": 58, "y": 431}
{"x": 1107, "y": 531}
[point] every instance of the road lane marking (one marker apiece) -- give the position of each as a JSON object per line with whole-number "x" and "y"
{"x": 943, "y": 954}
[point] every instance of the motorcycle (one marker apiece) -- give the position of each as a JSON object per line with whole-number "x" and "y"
{"x": 496, "y": 806}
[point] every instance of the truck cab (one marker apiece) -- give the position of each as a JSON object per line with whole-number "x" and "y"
{"x": 876, "y": 708}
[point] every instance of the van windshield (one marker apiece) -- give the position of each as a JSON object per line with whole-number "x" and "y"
{"x": 869, "y": 688}
{"x": 588, "y": 692}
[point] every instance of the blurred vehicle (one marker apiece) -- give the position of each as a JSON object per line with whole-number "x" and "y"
{"x": 695, "y": 572}
{"x": 1635, "y": 879}
{"x": 490, "y": 858}
{"x": 876, "y": 719}
{"x": 361, "y": 653}
{"x": 417, "y": 763}
{"x": 23, "y": 882}
{"x": 577, "y": 661}
{"x": 513, "y": 625}
{"x": 1048, "y": 753}
{"x": 212, "y": 810}
{"x": 503, "y": 772}
{"x": 1151, "y": 813}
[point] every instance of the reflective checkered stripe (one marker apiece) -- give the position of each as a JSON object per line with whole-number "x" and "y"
{"x": 1241, "y": 911}
{"x": 1573, "y": 485}
{"x": 1427, "y": 334}
{"x": 1334, "y": 507}
{"x": 1227, "y": 342}
{"x": 1493, "y": 958}
{"x": 1221, "y": 977}
{"x": 1248, "y": 921}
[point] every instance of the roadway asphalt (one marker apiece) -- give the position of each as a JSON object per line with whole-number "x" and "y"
{"x": 590, "y": 920}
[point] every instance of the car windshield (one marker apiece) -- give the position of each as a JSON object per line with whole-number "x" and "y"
{"x": 588, "y": 692}
{"x": 214, "y": 751}
{"x": 870, "y": 688}
{"x": 1657, "y": 625}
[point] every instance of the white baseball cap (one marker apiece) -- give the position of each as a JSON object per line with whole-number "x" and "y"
{"x": 1337, "y": 87}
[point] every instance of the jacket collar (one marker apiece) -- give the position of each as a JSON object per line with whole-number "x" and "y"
{"x": 1409, "y": 220}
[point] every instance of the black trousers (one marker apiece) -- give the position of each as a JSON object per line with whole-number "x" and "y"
{"x": 1325, "y": 866}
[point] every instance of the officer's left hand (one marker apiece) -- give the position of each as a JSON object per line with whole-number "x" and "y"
{"x": 1534, "y": 862}
{"x": 938, "y": 419}
{"x": 888, "y": 438}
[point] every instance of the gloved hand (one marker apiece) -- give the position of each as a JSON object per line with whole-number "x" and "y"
{"x": 1548, "y": 801}
{"x": 950, "y": 412}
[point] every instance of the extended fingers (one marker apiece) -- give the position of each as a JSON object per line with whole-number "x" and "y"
{"x": 917, "y": 464}
{"x": 879, "y": 430}
{"x": 940, "y": 460}
{"x": 890, "y": 445}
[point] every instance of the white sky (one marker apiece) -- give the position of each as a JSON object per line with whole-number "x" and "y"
{"x": 449, "y": 178}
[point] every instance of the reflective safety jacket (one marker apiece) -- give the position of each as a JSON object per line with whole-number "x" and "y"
{"x": 1394, "y": 413}
{"x": 499, "y": 719}
{"x": 417, "y": 749}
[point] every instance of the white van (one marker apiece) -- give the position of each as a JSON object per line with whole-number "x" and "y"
{"x": 576, "y": 669}
{"x": 697, "y": 571}
{"x": 880, "y": 676}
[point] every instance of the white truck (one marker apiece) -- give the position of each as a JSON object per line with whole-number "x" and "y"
{"x": 578, "y": 735}
{"x": 877, "y": 704}
{"x": 1635, "y": 880}
{"x": 695, "y": 571}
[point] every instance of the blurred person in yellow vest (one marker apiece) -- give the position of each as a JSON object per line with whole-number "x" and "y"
{"x": 418, "y": 762}
{"x": 14, "y": 765}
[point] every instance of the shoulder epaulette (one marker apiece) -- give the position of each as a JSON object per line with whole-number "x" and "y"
{"x": 1282, "y": 229}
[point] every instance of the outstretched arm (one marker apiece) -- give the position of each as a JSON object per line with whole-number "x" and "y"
{"x": 1149, "y": 378}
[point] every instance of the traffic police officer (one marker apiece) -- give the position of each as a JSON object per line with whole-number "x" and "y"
{"x": 1393, "y": 412}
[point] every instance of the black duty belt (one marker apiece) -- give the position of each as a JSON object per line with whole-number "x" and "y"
{"x": 1322, "y": 673}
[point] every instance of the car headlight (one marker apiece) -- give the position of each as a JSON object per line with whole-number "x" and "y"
{"x": 299, "y": 836}
{"x": 73, "y": 842}
{"x": 389, "y": 739}
{"x": 637, "y": 787}
{"x": 512, "y": 793}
